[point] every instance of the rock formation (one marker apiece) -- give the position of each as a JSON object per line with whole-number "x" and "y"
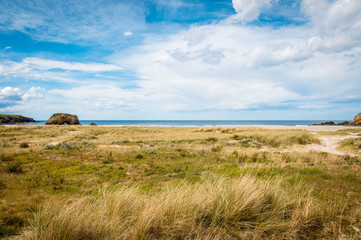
{"x": 356, "y": 120}
{"x": 14, "y": 119}
{"x": 325, "y": 123}
{"x": 63, "y": 118}
{"x": 93, "y": 124}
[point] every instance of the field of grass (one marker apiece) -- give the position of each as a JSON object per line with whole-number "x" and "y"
{"x": 82, "y": 182}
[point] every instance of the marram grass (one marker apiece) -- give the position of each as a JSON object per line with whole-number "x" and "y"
{"x": 216, "y": 208}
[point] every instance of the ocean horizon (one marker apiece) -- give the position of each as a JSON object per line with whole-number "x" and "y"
{"x": 197, "y": 123}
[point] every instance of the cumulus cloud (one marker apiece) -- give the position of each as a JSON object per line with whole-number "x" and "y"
{"x": 225, "y": 66}
{"x": 10, "y": 96}
{"x": 338, "y": 23}
{"x": 248, "y": 10}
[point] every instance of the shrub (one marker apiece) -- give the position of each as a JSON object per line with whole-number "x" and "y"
{"x": 217, "y": 148}
{"x": 139, "y": 156}
{"x": 212, "y": 139}
{"x": 24, "y": 145}
{"x": 14, "y": 168}
{"x": 6, "y": 157}
{"x": 108, "y": 161}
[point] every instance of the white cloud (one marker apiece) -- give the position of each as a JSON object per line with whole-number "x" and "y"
{"x": 338, "y": 23}
{"x": 45, "y": 64}
{"x": 47, "y": 70}
{"x": 95, "y": 97}
{"x": 33, "y": 92}
{"x": 10, "y": 96}
{"x": 127, "y": 33}
{"x": 226, "y": 66}
{"x": 248, "y": 10}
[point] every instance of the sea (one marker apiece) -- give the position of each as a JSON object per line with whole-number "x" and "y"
{"x": 197, "y": 123}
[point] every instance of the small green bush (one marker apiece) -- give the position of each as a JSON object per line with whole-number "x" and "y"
{"x": 14, "y": 168}
{"x": 139, "y": 156}
{"x": 217, "y": 148}
{"x": 108, "y": 161}
{"x": 212, "y": 139}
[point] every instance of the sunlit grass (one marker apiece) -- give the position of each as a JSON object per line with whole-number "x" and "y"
{"x": 219, "y": 208}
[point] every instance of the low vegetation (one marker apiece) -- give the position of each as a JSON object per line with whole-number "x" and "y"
{"x": 220, "y": 208}
{"x": 79, "y": 182}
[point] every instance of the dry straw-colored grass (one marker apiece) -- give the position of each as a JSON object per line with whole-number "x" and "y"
{"x": 221, "y": 208}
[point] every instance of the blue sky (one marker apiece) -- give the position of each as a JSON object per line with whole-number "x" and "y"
{"x": 181, "y": 59}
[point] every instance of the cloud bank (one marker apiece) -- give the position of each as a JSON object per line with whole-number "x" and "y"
{"x": 10, "y": 96}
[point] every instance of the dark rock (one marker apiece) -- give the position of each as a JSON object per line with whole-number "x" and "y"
{"x": 93, "y": 124}
{"x": 325, "y": 123}
{"x": 345, "y": 123}
{"x": 356, "y": 122}
{"x": 14, "y": 119}
{"x": 63, "y": 118}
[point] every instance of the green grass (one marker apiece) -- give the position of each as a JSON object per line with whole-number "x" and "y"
{"x": 353, "y": 144}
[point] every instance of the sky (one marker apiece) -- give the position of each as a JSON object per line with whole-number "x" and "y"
{"x": 181, "y": 59}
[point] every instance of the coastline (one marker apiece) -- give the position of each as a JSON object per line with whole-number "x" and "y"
{"x": 281, "y": 127}
{"x": 309, "y": 128}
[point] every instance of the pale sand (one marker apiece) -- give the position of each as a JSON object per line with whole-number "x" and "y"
{"x": 328, "y": 143}
{"x": 308, "y": 128}
{"x": 311, "y": 128}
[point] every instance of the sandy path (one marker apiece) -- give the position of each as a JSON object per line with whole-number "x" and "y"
{"x": 329, "y": 144}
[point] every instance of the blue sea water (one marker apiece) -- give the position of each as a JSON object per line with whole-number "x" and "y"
{"x": 198, "y": 123}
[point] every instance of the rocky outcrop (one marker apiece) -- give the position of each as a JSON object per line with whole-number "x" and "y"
{"x": 63, "y": 118}
{"x": 93, "y": 124}
{"x": 356, "y": 120}
{"x": 325, "y": 123}
{"x": 14, "y": 119}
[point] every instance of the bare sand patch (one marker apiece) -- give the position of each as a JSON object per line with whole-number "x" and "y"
{"x": 330, "y": 144}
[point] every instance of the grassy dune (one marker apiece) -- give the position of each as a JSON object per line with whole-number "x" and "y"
{"x": 211, "y": 209}
{"x": 67, "y": 182}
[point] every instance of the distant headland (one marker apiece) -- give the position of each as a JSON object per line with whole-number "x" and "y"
{"x": 14, "y": 119}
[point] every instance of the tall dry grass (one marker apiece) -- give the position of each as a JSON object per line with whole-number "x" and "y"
{"x": 221, "y": 208}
